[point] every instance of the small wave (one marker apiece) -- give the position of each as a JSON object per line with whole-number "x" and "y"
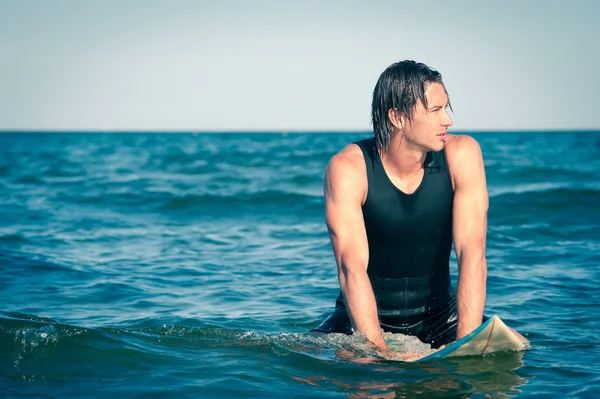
{"x": 305, "y": 180}
{"x": 25, "y": 316}
{"x": 13, "y": 239}
{"x": 220, "y": 200}
{"x": 64, "y": 171}
{"x": 498, "y": 191}
{"x": 26, "y": 335}
{"x": 28, "y": 179}
{"x": 31, "y": 263}
{"x": 28, "y": 339}
{"x": 33, "y": 348}
{"x": 195, "y": 167}
{"x": 278, "y": 199}
{"x": 107, "y": 292}
{"x": 327, "y": 347}
{"x": 549, "y": 194}
{"x": 550, "y": 172}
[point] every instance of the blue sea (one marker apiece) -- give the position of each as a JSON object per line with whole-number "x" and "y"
{"x": 146, "y": 265}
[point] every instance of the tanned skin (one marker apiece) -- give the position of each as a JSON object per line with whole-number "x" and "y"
{"x": 346, "y": 190}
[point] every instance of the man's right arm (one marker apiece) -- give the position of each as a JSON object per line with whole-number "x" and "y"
{"x": 345, "y": 187}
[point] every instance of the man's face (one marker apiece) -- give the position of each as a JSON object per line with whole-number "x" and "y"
{"x": 429, "y": 126}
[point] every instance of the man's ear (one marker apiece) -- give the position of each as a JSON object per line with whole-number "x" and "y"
{"x": 396, "y": 118}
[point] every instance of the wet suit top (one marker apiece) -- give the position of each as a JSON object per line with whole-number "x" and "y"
{"x": 410, "y": 239}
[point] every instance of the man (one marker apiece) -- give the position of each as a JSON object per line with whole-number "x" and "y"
{"x": 394, "y": 204}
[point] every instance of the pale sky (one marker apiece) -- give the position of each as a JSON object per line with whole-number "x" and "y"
{"x": 291, "y": 65}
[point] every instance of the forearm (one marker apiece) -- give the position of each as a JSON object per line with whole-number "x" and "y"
{"x": 471, "y": 295}
{"x": 361, "y": 305}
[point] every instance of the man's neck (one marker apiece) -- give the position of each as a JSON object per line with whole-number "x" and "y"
{"x": 404, "y": 159}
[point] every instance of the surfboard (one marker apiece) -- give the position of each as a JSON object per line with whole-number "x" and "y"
{"x": 492, "y": 336}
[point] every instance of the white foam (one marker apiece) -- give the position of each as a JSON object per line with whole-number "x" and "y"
{"x": 406, "y": 343}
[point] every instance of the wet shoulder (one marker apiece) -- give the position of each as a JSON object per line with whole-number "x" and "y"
{"x": 350, "y": 160}
{"x": 463, "y": 154}
{"x": 348, "y": 167}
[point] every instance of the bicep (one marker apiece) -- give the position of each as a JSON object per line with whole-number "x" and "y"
{"x": 343, "y": 214}
{"x": 470, "y": 201}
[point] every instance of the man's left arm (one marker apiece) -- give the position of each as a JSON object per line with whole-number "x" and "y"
{"x": 469, "y": 230}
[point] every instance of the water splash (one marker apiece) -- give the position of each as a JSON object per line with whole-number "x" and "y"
{"x": 30, "y": 340}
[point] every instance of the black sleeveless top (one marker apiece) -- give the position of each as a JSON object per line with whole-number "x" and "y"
{"x": 409, "y": 238}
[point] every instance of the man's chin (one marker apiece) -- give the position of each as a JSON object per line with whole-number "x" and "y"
{"x": 438, "y": 146}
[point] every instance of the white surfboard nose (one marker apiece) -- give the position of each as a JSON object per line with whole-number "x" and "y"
{"x": 492, "y": 336}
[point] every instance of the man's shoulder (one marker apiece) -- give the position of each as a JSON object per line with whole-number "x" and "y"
{"x": 347, "y": 173}
{"x": 462, "y": 150}
{"x": 349, "y": 160}
{"x": 465, "y": 161}
{"x": 461, "y": 143}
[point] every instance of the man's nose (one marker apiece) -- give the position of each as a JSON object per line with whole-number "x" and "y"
{"x": 448, "y": 121}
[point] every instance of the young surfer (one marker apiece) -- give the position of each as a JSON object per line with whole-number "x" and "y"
{"x": 395, "y": 204}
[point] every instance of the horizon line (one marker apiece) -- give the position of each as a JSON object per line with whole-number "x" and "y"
{"x": 277, "y": 131}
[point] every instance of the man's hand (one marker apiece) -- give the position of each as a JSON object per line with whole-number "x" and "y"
{"x": 445, "y": 345}
{"x": 402, "y": 356}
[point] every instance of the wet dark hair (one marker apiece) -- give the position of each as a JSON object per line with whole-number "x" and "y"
{"x": 399, "y": 87}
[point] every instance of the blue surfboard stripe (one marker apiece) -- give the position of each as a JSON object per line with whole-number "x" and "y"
{"x": 455, "y": 345}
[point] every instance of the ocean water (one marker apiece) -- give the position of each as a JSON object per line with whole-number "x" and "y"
{"x": 182, "y": 265}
